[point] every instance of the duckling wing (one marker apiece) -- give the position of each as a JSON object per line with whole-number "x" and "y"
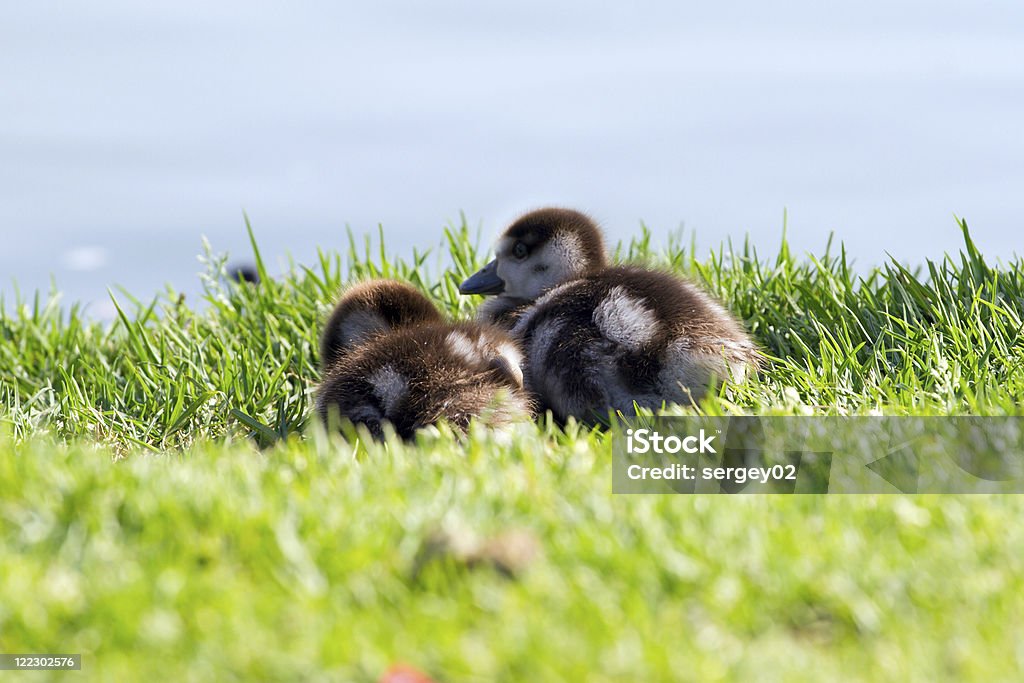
{"x": 576, "y": 340}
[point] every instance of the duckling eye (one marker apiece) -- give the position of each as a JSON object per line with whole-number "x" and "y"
{"x": 519, "y": 250}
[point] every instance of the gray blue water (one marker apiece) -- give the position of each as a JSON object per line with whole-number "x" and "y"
{"x": 129, "y": 130}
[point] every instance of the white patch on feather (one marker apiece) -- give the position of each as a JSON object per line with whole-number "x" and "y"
{"x": 511, "y": 354}
{"x": 625, "y": 320}
{"x": 513, "y": 360}
{"x": 389, "y": 386}
{"x": 463, "y": 347}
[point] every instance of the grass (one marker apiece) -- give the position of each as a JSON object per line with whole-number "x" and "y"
{"x": 166, "y": 510}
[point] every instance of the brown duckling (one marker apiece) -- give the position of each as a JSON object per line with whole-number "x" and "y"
{"x": 389, "y": 356}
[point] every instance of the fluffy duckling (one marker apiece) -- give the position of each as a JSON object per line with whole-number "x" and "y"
{"x": 387, "y": 355}
{"x": 368, "y": 309}
{"x": 598, "y": 337}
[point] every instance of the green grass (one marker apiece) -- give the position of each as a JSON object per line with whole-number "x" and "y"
{"x": 166, "y": 510}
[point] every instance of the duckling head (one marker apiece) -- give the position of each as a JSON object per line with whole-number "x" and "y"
{"x": 369, "y": 309}
{"x": 538, "y": 252}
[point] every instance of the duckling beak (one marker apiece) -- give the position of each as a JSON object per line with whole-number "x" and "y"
{"x": 484, "y": 281}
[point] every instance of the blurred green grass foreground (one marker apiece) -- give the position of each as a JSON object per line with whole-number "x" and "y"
{"x": 169, "y": 511}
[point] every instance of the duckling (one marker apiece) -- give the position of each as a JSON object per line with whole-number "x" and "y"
{"x": 387, "y": 355}
{"x": 599, "y": 337}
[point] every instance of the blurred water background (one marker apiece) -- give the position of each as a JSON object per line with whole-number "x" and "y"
{"x": 129, "y": 130}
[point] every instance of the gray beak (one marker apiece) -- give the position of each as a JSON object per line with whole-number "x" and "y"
{"x": 484, "y": 281}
